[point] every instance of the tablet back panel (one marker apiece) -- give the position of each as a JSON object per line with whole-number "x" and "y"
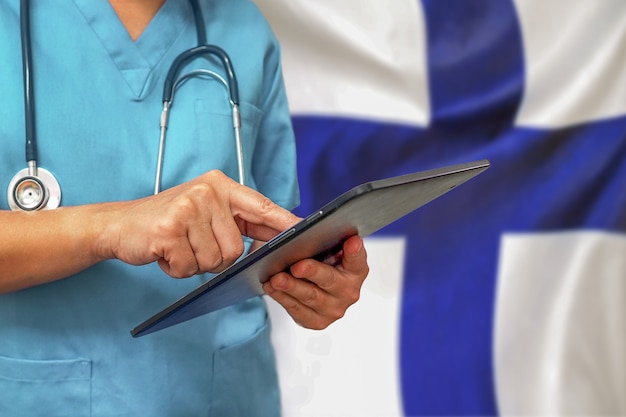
{"x": 362, "y": 210}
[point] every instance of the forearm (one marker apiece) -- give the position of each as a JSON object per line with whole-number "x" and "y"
{"x": 192, "y": 228}
{"x": 40, "y": 247}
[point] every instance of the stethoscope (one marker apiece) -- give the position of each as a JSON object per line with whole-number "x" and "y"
{"x": 35, "y": 188}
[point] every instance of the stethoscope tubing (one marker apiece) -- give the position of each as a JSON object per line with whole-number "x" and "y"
{"x": 173, "y": 80}
{"x": 29, "y": 91}
{"x": 196, "y": 52}
{"x": 32, "y": 188}
{"x": 164, "y": 122}
{"x": 33, "y": 181}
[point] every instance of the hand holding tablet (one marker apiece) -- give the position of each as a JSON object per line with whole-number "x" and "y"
{"x": 360, "y": 211}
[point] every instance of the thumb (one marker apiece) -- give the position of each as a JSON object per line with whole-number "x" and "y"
{"x": 354, "y": 258}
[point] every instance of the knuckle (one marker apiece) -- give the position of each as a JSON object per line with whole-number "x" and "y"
{"x": 172, "y": 222}
{"x": 233, "y": 253}
{"x": 293, "y": 307}
{"x": 353, "y": 295}
{"x": 183, "y": 271}
{"x": 212, "y": 263}
{"x": 181, "y": 274}
{"x": 167, "y": 226}
{"x": 210, "y": 259}
{"x": 319, "y": 324}
{"x": 366, "y": 271}
{"x": 216, "y": 179}
{"x": 310, "y": 297}
{"x": 331, "y": 281}
{"x": 336, "y": 313}
{"x": 216, "y": 174}
{"x": 201, "y": 190}
{"x": 266, "y": 205}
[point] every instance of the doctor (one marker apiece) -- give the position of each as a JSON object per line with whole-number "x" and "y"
{"x": 77, "y": 278}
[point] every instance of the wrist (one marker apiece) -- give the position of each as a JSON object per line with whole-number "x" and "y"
{"x": 103, "y": 232}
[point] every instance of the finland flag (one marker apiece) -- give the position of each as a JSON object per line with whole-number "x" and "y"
{"x": 506, "y": 296}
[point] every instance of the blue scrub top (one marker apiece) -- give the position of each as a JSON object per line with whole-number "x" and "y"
{"x": 65, "y": 347}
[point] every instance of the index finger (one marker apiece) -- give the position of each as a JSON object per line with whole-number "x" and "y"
{"x": 352, "y": 265}
{"x": 258, "y": 216}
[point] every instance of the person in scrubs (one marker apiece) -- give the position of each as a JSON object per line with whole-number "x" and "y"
{"x": 76, "y": 279}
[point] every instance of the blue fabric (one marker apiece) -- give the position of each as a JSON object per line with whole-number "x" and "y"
{"x": 65, "y": 347}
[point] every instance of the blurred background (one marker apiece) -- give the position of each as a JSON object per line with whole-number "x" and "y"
{"x": 507, "y": 295}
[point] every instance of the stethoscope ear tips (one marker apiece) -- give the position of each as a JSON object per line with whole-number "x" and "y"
{"x": 31, "y": 193}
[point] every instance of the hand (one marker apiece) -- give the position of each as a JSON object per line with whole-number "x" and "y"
{"x": 316, "y": 294}
{"x": 195, "y": 227}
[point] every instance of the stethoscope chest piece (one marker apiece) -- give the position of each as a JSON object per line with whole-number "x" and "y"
{"x": 29, "y": 192}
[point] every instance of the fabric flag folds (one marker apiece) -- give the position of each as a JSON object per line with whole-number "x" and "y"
{"x": 506, "y": 296}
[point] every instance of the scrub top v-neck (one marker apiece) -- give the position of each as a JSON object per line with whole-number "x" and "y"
{"x": 136, "y": 59}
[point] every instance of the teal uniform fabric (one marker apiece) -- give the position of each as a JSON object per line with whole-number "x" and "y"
{"x": 65, "y": 347}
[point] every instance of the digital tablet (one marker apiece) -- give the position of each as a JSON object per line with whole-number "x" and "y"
{"x": 360, "y": 211}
